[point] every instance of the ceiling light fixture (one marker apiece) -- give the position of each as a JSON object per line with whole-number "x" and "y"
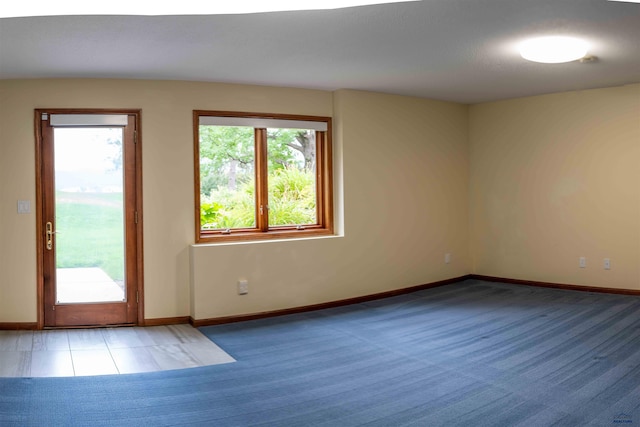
{"x": 553, "y": 49}
{"x": 164, "y": 8}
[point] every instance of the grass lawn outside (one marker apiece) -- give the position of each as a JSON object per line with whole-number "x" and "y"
{"x": 91, "y": 232}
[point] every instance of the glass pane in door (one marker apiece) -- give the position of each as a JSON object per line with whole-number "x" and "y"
{"x": 89, "y": 215}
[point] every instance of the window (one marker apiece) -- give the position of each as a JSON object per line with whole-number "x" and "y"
{"x": 261, "y": 176}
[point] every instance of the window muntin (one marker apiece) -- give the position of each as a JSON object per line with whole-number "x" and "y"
{"x": 261, "y": 176}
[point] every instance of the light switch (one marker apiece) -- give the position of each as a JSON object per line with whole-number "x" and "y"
{"x": 24, "y": 206}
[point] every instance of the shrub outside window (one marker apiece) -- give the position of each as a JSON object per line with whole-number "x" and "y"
{"x": 261, "y": 176}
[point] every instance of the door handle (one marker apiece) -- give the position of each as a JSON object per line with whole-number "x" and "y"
{"x": 49, "y": 235}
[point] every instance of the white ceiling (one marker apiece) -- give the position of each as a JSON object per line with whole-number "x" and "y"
{"x": 456, "y": 50}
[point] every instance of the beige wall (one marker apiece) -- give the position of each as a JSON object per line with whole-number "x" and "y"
{"x": 17, "y": 232}
{"x": 516, "y": 189}
{"x": 405, "y": 163}
{"x": 554, "y": 178}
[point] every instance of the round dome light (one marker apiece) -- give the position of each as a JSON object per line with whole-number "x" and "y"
{"x": 553, "y": 50}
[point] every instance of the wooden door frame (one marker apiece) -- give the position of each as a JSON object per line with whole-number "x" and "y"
{"x": 137, "y": 113}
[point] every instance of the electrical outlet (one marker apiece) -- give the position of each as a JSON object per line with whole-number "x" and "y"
{"x": 583, "y": 262}
{"x": 447, "y": 258}
{"x": 243, "y": 287}
{"x": 607, "y": 264}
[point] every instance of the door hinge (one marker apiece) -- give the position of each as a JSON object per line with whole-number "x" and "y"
{"x": 137, "y": 297}
{"x": 135, "y": 216}
{"x": 135, "y": 136}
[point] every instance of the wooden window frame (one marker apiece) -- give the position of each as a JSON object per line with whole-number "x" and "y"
{"x": 262, "y": 231}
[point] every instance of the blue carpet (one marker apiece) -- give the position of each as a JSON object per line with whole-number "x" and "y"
{"x": 469, "y": 354}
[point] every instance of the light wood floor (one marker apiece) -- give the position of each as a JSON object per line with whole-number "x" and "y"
{"x": 81, "y": 352}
